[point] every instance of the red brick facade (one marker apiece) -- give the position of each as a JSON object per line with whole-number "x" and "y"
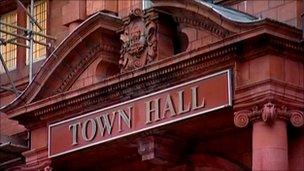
{"x": 108, "y": 53}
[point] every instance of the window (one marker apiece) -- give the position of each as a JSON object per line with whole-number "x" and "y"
{"x": 9, "y": 52}
{"x": 40, "y": 14}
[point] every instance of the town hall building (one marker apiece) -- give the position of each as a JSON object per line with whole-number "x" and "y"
{"x": 154, "y": 85}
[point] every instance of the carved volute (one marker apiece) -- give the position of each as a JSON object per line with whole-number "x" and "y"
{"x": 268, "y": 114}
{"x": 141, "y": 38}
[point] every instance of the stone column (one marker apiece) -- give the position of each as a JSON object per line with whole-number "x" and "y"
{"x": 269, "y": 146}
{"x": 269, "y": 134}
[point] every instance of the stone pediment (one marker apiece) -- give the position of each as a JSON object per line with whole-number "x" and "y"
{"x": 200, "y": 14}
{"x": 94, "y": 40}
{"x": 199, "y": 23}
{"x": 147, "y": 36}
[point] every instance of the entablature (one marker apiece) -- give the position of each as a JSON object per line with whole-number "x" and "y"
{"x": 126, "y": 86}
{"x": 251, "y": 40}
{"x": 165, "y": 73}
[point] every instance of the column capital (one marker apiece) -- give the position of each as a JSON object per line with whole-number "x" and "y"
{"x": 268, "y": 114}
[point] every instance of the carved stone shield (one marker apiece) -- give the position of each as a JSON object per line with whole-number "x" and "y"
{"x": 139, "y": 43}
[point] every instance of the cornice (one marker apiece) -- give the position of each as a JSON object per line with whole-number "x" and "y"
{"x": 278, "y": 28}
{"x": 164, "y": 72}
{"x": 99, "y": 20}
{"x": 227, "y": 2}
{"x": 294, "y": 45}
{"x": 123, "y": 89}
{"x": 269, "y": 90}
{"x": 150, "y": 75}
{"x": 204, "y": 24}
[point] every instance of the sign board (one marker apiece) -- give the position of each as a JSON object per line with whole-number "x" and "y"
{"x": 160, "y": 108}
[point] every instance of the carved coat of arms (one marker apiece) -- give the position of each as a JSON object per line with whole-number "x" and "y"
{"x": 139, "y": 43}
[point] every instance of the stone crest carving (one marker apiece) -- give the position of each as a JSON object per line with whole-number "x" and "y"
{"x": 139, "y": 43}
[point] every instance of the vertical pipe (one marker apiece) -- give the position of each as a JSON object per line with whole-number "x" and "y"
{"x": 31, "y": 43}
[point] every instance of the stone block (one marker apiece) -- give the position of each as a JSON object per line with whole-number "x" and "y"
{"x": 287, "y": 11}
{"x": 259, "y": 6}
{"x": 73, "y": 11}
{"x": 271, "y": 13}
{"x": 93, "y": 6}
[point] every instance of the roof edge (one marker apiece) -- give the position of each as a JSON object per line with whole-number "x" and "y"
{"x": 32, "y": 86}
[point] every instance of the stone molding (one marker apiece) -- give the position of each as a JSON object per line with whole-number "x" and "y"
{"x": 205, "y": 25}
{"x": 125, "y": 87}
{"x": 82, "y": 64}
{"x": 43, "y": 166}
{"x": 158, "y": 72}
{"x": 268, "y": 114}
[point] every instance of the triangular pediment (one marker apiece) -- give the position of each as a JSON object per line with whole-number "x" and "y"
{"x": 95, "y": 43}
{"x": 80, "y": 63}
{"x": 96, "y": 39}
{"x": 104, "y": 66}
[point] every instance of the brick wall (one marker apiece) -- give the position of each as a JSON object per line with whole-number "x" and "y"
{"x": 286, "y": 11}
{"x": 198, "y": 38}
{"x": 56, "y": 27}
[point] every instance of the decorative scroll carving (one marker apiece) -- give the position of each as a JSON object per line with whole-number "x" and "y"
{"x": 297, "y": 118}
{"x": 241, "y": 118}
{"x": 139, "y": 43}
{"x": 48, "y": 168}
{"x": 269, "y": 113}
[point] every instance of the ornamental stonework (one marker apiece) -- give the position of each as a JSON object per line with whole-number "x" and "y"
{"x": 268, "y": 114}
{"x": 139, "y": 42}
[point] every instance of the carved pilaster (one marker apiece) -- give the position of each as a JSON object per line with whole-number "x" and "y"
{"x": 268, "y": 113}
